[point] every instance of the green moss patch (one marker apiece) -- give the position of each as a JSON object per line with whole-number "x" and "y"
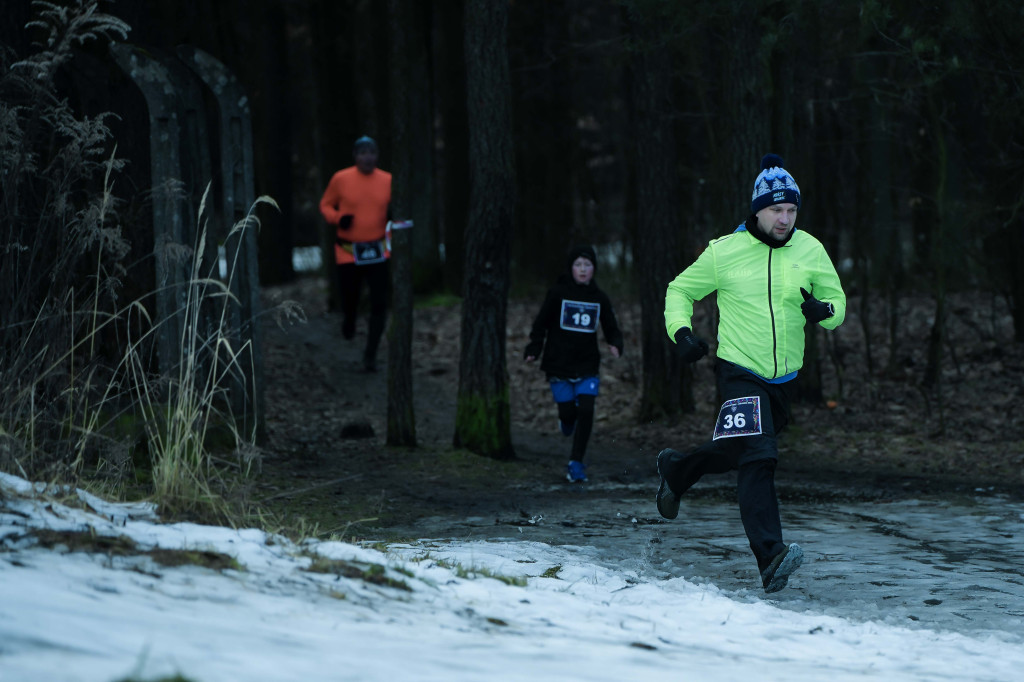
{"x": 552, "y": 572}
{"x": 217, "y": 561}
{"x": 371, "y": 573}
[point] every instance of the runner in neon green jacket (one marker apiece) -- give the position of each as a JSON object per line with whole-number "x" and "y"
{"x": 771, "y": 281}
{"x": 761, "y": 326}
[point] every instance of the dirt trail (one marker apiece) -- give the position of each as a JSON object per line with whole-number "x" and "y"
{"x": 877, "y": 444}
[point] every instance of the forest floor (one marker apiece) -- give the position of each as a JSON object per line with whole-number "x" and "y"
{"x": 326, "y": 466}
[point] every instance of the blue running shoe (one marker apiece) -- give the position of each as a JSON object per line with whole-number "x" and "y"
{"x": 566, "y": 429}
{"x": 776, "y": 576}
{"x": 576, "y": 472}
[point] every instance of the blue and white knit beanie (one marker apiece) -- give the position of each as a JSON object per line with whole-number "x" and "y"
{"x": 774, "y": 185}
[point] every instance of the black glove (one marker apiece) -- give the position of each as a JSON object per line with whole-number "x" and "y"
{"x": 815, "y": 310}
{"x": 345, "y": 222}
{"x": 533, "y": 350}
{"x": 689, "y": 347}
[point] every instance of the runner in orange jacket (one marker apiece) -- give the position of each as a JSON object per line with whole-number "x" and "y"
{"x": 356, "y": 204}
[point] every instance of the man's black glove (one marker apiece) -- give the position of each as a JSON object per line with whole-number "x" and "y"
{"x": 345, "y": 222}
{"x": 689, "y": 347}
{"x": 815, "y": 310}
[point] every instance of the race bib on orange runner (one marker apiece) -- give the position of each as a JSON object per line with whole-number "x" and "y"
{"x": 739, "y": 417}
{"x": 580, "y": 316}
{"x": 368, "y": 252}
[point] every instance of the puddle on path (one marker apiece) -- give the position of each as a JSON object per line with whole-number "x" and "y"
{"x": 918, "y": 563}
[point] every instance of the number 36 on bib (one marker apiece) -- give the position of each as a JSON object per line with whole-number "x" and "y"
{"x": 739, "y": 417}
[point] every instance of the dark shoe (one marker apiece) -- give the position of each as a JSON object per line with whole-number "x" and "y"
{"x": 348, "y": 328}
{"x": 668, "y": 501}
{"x": 566, "y": 429}
{"x": 776, "y": 576}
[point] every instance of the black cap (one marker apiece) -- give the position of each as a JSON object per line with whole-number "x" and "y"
{"x": 585, "y": 250}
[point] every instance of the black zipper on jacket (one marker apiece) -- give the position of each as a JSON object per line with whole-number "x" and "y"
{"x": 771, "y": 314}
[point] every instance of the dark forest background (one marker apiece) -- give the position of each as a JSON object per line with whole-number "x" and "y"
{"x": 635, "y": 125}
{"x": 900, "y": 121}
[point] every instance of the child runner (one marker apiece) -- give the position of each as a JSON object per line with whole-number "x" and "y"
{"x": 568, "y": 318}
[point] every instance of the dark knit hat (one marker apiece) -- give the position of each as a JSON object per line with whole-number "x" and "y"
{"x": 774, "y": 185}
{"x": 585, "y": 250}
{"x": 364, "y": 141}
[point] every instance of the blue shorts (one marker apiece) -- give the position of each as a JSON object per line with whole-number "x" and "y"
{"x": 566, "y": 390}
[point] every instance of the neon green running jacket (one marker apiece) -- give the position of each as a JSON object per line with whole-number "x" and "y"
{"x": 761, "y": 327}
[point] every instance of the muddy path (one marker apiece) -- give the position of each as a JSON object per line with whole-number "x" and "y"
{"x": 326, "y": 463}
{"x": 900, "y": 521}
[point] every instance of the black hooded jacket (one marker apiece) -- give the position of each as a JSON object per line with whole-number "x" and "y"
{"x": 568, "y": 321}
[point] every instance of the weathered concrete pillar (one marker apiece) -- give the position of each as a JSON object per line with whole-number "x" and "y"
{"x": 235, "y": 195}
{"x": 194, "y": 151}
{"x": 171, "y": 219}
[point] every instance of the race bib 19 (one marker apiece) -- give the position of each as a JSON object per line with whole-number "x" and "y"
{"x": 580, "y": 316}
{"x": 368, "y": 252}
{"x": 739, "y": 417}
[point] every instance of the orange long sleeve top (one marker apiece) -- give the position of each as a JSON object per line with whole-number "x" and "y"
{"x": 364, "y": 196}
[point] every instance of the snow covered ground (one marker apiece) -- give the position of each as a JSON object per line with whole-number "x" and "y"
{"x": 430, "y": 610}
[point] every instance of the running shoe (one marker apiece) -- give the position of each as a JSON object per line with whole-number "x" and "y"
{"x": 668, "y": 501}
{"x": 576, "y": 472}
{"x": 776, "y": 576}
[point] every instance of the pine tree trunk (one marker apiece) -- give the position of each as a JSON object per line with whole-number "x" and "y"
{"x": 666, "y": 388}
{"x": 426, "y": 273}
{"x": 404, "y": 187}
{"x": 746, "y": 130}
{"x": 334, "y": 118}
{"x": 545, "y": 138}
{"x": 453, "y": 165}
{"x": 482, "y": 418}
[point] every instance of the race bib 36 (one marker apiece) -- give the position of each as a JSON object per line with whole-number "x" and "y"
{"x": 739, "y": 417}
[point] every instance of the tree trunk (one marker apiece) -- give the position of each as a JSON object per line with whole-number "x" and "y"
{"x": 482, "y": 417}
{"x": 746, "y": 129}
{"x": 666, "y": 387}
{"x": 369, "y": 35}
{"x": 545, "y": 134}
{"x": 426, "y": 274}
{"x": 453, "y": 165}
{"x": 404, "y": 190}
{"x": 274, "y": 170}
{"x": 943, "y": 166}
{"x": 335, "y": 119}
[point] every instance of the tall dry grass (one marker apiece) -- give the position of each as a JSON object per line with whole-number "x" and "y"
{"x": 181, "y": 407}
{"x": 81, "y": 399}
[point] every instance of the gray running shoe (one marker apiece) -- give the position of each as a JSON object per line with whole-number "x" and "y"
{"x": 776, "y": 576}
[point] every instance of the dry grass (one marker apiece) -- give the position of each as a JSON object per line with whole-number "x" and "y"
{"x": 81, "y": 402}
